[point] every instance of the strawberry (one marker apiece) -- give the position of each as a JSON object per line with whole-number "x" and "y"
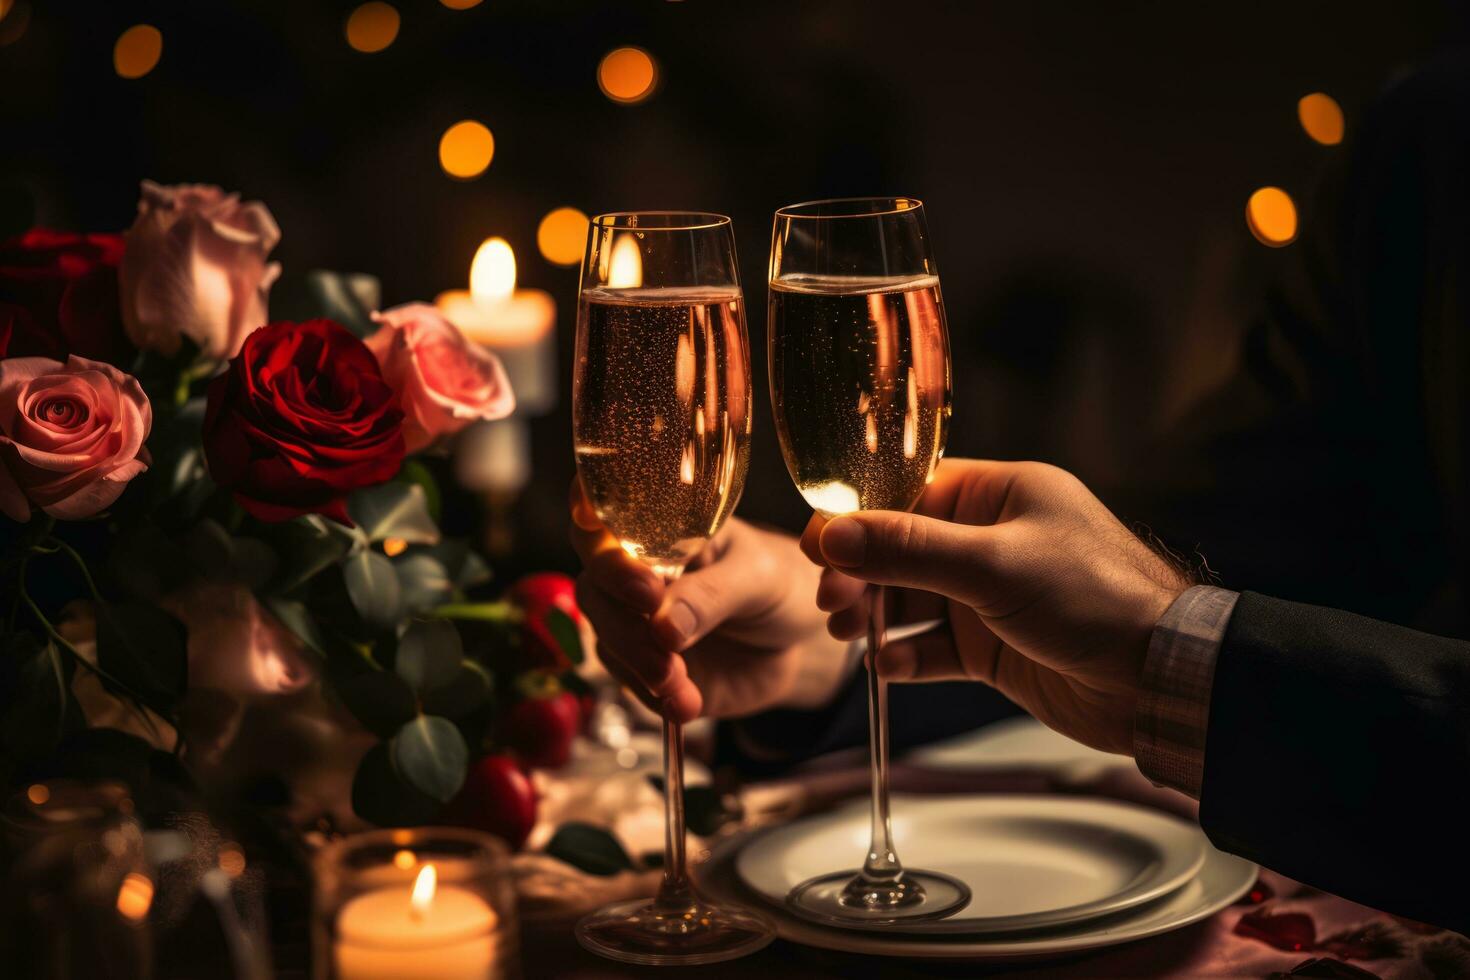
{"x": 537, "y": 595}
{"x": 539, "y": 728}
{"x": 497, "y": 798}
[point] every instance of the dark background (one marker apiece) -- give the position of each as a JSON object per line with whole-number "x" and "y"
{"x": 1085, "y": 167}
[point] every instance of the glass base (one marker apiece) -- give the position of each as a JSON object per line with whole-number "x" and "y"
{"x": 855, "y": 901}
{"x": 639, "y": 932}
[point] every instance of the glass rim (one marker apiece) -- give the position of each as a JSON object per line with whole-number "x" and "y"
{"x": 690, "y": 220}
{"x": 480, "y": 846}
{"x": 862, "y": 207}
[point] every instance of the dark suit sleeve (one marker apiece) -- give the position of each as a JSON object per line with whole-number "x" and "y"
{"x": 1338, "y": 753}
{"x": 917, "y": 713}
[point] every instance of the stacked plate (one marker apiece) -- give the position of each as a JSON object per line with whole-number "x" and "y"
{"x": 1049, "y": 874}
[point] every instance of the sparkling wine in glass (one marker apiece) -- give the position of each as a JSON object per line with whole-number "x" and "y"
{"x": 860, "y": 385}
{"x": 661, "y": 427}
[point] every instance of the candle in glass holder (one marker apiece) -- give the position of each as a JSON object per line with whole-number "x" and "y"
{"x": 414, "y": 903}
{"x": 518, "y": 324}
{"x": 399, "y": 933}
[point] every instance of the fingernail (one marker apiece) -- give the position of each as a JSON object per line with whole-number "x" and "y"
{"x": 681, "y": 620}
{"x": 844, "y": 542}
{"x": 643, "y": 594}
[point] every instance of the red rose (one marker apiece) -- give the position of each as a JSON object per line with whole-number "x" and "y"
{"x": 301, "y": 418}
{"x": 66, "y": 286}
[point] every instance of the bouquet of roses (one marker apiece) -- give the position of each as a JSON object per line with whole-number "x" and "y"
{"x": 198, "y": 500}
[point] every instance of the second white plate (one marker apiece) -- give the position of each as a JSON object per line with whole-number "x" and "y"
{"x": 1030, "y": 861}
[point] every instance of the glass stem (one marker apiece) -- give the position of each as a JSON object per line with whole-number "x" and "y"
{"x": 882, "y": 863}
{"x": 675, "y": 893}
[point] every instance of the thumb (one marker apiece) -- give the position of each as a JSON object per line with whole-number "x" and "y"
{"x": 894, "y": 548}
{"x": 700, "y": 601}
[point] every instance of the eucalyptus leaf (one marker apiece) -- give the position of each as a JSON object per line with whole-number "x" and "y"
{"x": 35, "y": 697}
{"x": 381, "y": 796}
{"x": 394, "y": 510}
{"x": 464, "y": 565}
{"x": 431, "y": 756}
{"x": 296, "y": 618}
{"x": 468, "y": 691}
{"x": 588, "y": 848}
{"x": 379, "y": 699}
{"x": 372, "y": 585}
{"x": 305, "y": 547}
{"x": 429, "y": 654}
{"x": 564, "y": 630}
{"x": 144, "y": 648}
{"x": 416, "y": 472}
{"x": 424, "y": 581}
{"x": 347, "y": 297}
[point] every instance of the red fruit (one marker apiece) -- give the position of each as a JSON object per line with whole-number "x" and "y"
{"x": 540, "y": 727}
{"x": 536, "y": 595}
{"x": 497, "y": 798}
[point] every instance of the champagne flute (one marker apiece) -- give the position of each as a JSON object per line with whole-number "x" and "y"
{"x": 661, "y": 426}
{"x": 860, "y": 385}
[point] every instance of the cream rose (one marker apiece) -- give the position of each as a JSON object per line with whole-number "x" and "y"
{"x": 443, "y": 381}
{"x": 195, "y": 266}
{"x": 71, "y": 435}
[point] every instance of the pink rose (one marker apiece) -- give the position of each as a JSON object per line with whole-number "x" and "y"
{"x": 443, "y": 381}
{"x": 236, "y": 645}
{"x": 71, "y": 435}
{"x": 195, "y": 266}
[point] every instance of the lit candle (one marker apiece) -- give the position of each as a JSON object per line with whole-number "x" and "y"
{"x": 402, "y": 933}
{"x": 515, "y": 323}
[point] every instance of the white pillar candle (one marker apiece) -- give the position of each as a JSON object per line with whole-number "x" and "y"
{"x": 403, "y": 933}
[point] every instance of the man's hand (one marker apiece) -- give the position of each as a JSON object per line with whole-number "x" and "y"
{"x": 1043, "y": 593}
{"x": 737, "y": 633}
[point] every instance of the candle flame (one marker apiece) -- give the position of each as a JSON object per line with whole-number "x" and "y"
{"x": 423, "y": 889}
{"x": 493, "y": 272}
{"x": 625, "y": 270}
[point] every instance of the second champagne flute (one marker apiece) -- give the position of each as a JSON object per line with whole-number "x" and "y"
{"x": 661, "y": 426}
{"x": 860, "y": 385}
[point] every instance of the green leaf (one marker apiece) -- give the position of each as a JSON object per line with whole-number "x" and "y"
{"x": 296, "y": 618}
{"x": 373, "y": 587}
{"x": 35, "y": 696}
{"x": 394, "y": 510}
{"x": 381, "y": 796}
{"x": 465, "y": 566}
{"x": 588, "y": 848}
{"x": 425, "y": 582}
{"x": 564, "y": 630}
{"x": 221, "y": 555}
{"x": 306, "y": 546}
{"x": 347, "y": 297}
{"x": 379, "y": 699}
{"x": 429, "y": 654}
{"x": 430, "y": 754}
{"x": 147, "y": 562}
{"x": 499, "y": 612}
{"x": 415, "y": 472}
{"x": 146, "y": 649}
{"x": 467, "y": 692}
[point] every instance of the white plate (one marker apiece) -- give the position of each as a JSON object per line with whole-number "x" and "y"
{"x": 1221, "y": 880}
{"x": 1030, "y": 861}
{"x": 1017, "y": 743}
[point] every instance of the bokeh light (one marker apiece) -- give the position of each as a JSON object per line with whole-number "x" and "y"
{"x": 231, "y": 859}
{"x": 465, "y": 149}
{"x": 1271, "y": 216}
{"x": 135, "y": 896}
{"x": 15, "y": 17}
{"x": 460, "y": 4}
{"x": 627, "y": 75}
{"x": 5, "y": 6}
{"x": 562, "y": 236}
{"x": 137, "y": 51}
{"x": 372, "y": 27}
{"x": 1321, "y": 117}
{"x": 39, "y": 793}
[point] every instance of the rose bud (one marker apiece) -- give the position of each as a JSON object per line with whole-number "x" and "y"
{"x": 71, "y": 436}
{"x": 541, "y": 726}
{"x": 196, "y": 267}
{"x": 443, "y": 381}
{"x": 497, "y": 797}
{"x": 59, "y": 296}
{"x": 301, "y": 418}
{"x": 537, "y": 595}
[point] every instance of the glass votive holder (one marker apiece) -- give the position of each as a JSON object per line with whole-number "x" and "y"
{"x": 411, "y": 903}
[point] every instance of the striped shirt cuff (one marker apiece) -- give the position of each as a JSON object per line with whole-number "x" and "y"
{"x": 1174, "y": 691}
